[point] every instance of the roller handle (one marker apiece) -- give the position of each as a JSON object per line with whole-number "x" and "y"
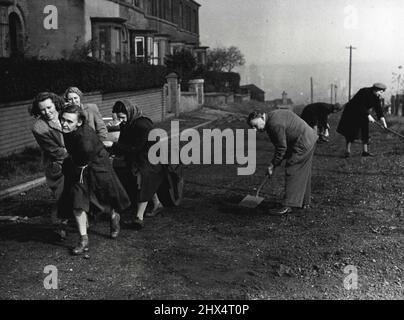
{"x": 262, "y": 185}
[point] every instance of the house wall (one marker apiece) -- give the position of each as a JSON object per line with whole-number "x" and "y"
{"x": 74, "y": 24}
{"x": 98, "y": 8}
{"x": 57, "y": 43}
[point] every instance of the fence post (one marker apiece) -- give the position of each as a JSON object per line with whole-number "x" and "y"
{"x": 196, "y": 86}
{"x": 173, "y": 101}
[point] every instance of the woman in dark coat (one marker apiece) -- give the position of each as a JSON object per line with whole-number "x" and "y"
{"x": 316, "y": 116}
{"x": 356, "y": 116}
{"x": 93, "y": 178}
{"x": 144, "y": 178}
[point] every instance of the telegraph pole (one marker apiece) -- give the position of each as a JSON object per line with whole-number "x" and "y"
{"x": 335, "y": 92}
{"x": 332, "y": 91}
{"x": 350, "y": 69}
{"x": 311, "y": 90}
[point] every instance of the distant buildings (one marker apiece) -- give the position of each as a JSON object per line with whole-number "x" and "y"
{"x": 116, "y": 31}
{"x": 283, "y": 103}
{"x": 255, "y": 92}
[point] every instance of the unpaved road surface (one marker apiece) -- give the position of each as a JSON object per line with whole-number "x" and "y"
{"x": 209, "y": 248}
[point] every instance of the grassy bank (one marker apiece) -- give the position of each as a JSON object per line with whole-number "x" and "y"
{"x": 20, "y": 167}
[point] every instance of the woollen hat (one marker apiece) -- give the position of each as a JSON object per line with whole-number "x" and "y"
{"x": 380, "y": 86}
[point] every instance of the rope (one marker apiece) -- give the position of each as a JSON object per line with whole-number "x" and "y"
{"x": 82, "y": 172}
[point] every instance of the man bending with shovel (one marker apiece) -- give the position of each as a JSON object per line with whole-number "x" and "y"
{"x": 294, "y": 141}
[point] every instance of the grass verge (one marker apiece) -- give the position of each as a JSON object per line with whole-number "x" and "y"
{"x": 20, "y": 167}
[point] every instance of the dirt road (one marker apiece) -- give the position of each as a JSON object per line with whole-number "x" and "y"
{"x": 211, "y": 249}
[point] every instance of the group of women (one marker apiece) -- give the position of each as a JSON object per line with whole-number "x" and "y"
{"x": 78, "y": 166}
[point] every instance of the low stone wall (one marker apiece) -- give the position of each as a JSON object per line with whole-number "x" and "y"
{"x": 214, "y": 99}
{"x": 189, "y": 102}
{"x": 239, "y": 98}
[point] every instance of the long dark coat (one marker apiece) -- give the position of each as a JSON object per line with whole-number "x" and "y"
{"x": 354, "y": 119}
{"x": 316, "y": 114}
{"x": 134, "y": 145}
{"x": 97, "y": 183}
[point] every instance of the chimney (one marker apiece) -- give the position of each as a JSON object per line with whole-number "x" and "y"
{"x": 284, "y": 98}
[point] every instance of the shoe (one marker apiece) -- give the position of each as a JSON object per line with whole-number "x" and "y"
{"x": 347, "y": 154}
{"x": 137, "y": 224}
{"x": 82, "y": 246}
{"x": 155, "y": 212}
{"x": 61, "y": 231}
{"x": 115, "y": 226}
{"x": 284, "y": 211}
{"x": 367, "y": 154}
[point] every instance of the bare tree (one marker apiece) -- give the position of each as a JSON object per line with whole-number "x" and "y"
{"x": 225, "y": 59}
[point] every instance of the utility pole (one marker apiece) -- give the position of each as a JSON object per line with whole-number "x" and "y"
{"x": 398, "y": 79}
{"x": 311, "y": 90}
{"x": 350, "y": 70}
{"x": 335, "y": 92}
{"x": 332, "y": 91}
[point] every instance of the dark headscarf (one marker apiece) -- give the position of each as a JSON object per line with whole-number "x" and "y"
{"x": 132, "y": 111}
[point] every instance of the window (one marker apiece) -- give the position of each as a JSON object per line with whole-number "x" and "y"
{"x": 181, "y": 15}
{"x": 109, "y": 42}
{"x": 154, "y": 52}
{"x": 194, "y": 21}
{"x": 104, "y": 52}
{"x": 188, "y": 18}
{"x": 116, "y": 45}
{"x": 152, "y": 8}
{"x": 161, "y": 8}
{"x": 139, "y": 47}
{"x": 170, "y": 14}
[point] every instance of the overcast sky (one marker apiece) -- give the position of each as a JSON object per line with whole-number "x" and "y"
{"x": 306, "y": 31}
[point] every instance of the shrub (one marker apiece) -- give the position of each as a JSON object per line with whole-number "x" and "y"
{"x": 216, "y": 81}
{"x": 23, "y": 79}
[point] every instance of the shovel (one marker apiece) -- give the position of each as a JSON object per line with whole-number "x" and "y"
{"x": 253, "y": 201}
{"x": 389, "y": 130}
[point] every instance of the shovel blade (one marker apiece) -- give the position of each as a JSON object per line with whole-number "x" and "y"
{"x": 251, "y": 201}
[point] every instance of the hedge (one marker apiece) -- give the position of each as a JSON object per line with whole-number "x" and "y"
{"x": 23, "y": 79}
{"x": 220, "y": 81}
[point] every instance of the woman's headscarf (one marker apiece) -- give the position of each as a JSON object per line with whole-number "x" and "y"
{"x": 132, "y": 111}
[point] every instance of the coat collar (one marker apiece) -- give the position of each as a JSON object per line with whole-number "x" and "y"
{"x": 53, "y": 125}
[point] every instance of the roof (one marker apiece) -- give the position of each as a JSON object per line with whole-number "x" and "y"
{"x": 195, "y": 3}
{"x": 252, "y": 87}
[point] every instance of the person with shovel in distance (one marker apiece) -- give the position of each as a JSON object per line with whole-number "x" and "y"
{"x": 294, "y": 141}
{"x": 356, "y": 117}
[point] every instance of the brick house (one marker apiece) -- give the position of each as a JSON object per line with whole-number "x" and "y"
{"x": 117, "y": 31}
{"x": 255, "y": 92}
